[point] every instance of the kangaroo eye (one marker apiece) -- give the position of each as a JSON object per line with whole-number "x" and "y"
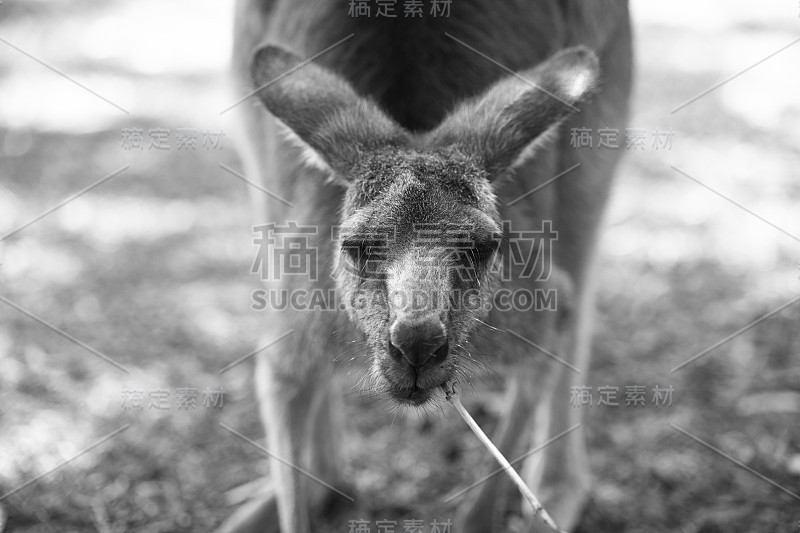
{"x": 364, "y": 250}
{"x": 483, "y": 251}
{"x": 353, "y": 248}
{"x": 367, "y": 257}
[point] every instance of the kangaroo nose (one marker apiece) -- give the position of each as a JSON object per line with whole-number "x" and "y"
{"x": 419, "y": 343}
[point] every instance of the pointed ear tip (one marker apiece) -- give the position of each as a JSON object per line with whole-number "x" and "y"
{"x": 584, "y": 57}
{"x": 267, "y": 52}
{"x": 582, "y": 71}
{"x": 269, "y": 58}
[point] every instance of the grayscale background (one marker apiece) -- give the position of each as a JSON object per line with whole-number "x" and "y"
{"x": 151, "y": 268}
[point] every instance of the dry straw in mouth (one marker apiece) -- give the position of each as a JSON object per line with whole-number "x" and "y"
{"x": 452, "y": 397}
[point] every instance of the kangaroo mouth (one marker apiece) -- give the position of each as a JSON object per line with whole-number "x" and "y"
{"x": 412, "y": 387}
{"x": 414, "y": 395}
{"x": 411, "y": 396}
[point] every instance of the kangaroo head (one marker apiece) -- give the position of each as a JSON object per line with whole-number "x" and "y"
{"x": 420, "y": 225}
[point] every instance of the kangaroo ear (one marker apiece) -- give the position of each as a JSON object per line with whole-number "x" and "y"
{"x": 503, "y": 126}
{"x": 330, "y": 120}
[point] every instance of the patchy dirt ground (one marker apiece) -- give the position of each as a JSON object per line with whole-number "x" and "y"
{"x": 152, "y": 269}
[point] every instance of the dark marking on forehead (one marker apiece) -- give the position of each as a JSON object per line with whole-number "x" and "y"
{"x": 387, "y": 173}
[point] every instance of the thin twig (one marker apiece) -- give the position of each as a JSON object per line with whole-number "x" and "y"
{"x": 452, "y": 397}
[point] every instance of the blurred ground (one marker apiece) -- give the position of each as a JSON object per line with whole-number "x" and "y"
{"x": 151, "y": 268}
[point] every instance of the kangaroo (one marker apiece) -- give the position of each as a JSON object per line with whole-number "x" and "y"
{"x": 437, "y": 124}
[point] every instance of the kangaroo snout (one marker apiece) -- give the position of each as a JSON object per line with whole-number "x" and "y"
{"x": 422, "y": 344}
{"x": 417, "y": 348}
